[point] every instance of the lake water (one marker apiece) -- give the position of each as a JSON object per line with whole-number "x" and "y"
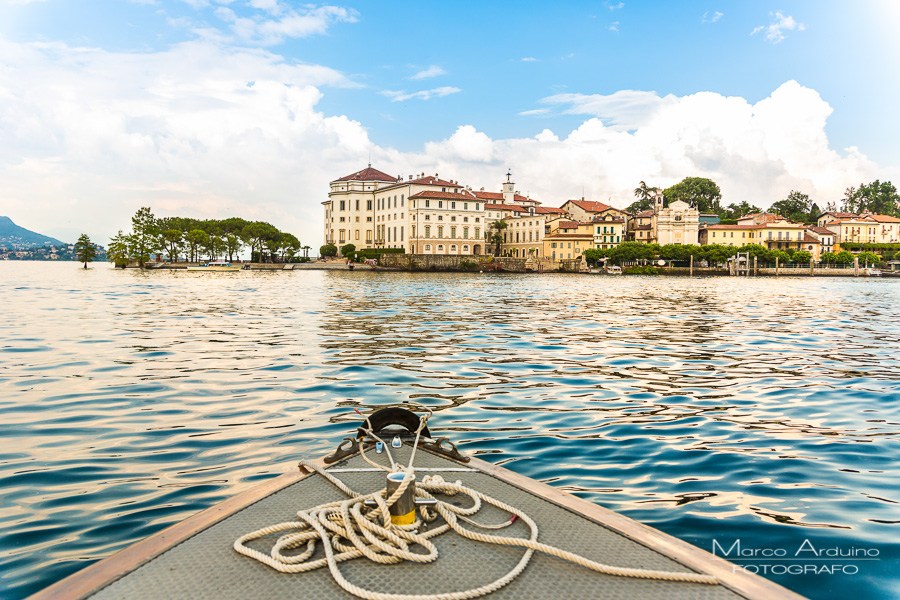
{"x": 718, "y": 409}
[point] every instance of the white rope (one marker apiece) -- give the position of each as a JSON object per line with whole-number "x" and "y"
{"x": 349, "y": 529}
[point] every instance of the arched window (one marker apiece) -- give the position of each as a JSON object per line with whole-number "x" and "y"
{"x": 427, "y": 247}
{"x": 465, "y": 248}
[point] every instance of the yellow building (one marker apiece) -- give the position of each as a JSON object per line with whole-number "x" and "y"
{"x": 568, "y": 239}
{"x": 525, "y": 233}
{"x": 729, "y": 235}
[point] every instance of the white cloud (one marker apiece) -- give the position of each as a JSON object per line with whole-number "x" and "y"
{"x": 209, "y": 131}
{"x": 90, "y": 136}
{"x": 775, "y": 30}
{"x": 279, "y": 23}
{"x": 711, "y": 19}
{"x": 401, "y": 96}
{"x": 756, "y": 152}
{"x": 614, "y": 26}
{"x": 612, "y": 6}
{"x": 535, "y": 112}
{"x": 432, "y": 71}
{"x": 529, "y": 59}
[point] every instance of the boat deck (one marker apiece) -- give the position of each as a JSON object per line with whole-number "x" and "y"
{"x": 204, "y": 565}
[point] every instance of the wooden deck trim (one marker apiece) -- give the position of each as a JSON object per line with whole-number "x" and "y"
{"x": 744, "y": 584}
{"x": 90, "y": 580}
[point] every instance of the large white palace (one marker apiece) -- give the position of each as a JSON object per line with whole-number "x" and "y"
{"x": 422, "y": 214}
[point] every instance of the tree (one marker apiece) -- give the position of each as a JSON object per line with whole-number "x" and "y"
{"x": 306, "y": 250}
{"x": 827, "y": 258}
{"x": 876, "y": 197}
{"x": 196, "y": 239}
{"x": 781, "y": 255}
{"x": 699, "y": 192}
{"x": 736, "y": 211}
{"x": 328, "y": 250}
{"x": 144, "y": 238}
{"x": 85, "y": 250}
{"x": 796, "y": 207}
{"x": 347, "y": 249}
{"x": 843, "y": 258}
{"x": 644, "y": 195}
{"x": 498, "y": 227}
{"x": 117, "y": 249}
{"x": 173, "y": 239}
{"x": 868, "y": 257}
{"x": 802, "y": 257}
{"x": 233, "y": 245}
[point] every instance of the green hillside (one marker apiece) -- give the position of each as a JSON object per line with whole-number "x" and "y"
{"x": 13, "y": 236}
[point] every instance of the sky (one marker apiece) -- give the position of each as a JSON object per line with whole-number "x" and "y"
{"x": 248, "y": 108}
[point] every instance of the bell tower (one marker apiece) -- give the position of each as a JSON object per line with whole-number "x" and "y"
{"x": 509, "y": 189}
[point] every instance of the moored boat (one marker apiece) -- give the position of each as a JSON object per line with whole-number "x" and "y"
{"x": 215, "y": 267}
{"x": 305, "y": 534}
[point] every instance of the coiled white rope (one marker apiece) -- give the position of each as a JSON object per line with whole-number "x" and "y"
{"x": 349, "y": 529}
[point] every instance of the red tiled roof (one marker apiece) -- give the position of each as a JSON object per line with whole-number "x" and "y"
{"x": 720, "y": 226}
{"x": 885, "y": 219}
{"x": 839, "y": 215}
{"x": 808, "y": 239}
{"x": 429, "y": 180}
{"x": 581, "y": 236}
{"x": 499, "y": 196}
{"x": 590, "y": 205}
{"x": 599, "y": 219}
{"x": 540, "y": 210}
{"x": 444, "y": 196}
{"x": 567, "y": 224}
{"x": 646, "y": 213}
{"x": 509, "y": 207}
{"x": 822, "y": 230}
{"x": 368, "y": 174}
{"x": 642, "y": 227}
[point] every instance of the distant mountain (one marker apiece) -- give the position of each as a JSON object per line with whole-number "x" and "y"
{"x": 13, "y": 236}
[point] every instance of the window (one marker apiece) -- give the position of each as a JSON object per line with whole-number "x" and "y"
{"x": 342, "y": 205}
{"x": 428, "y": 231}
{"x": 476, "y": 206}
{"x": 465, "y": 234}
{"x": 342, "y": 219}
{"x": 342, "y": 233}
{"x": 465, "y": 219}
{"x": 427, "y": 217}
{"x": 553, "y": 245}
{"x": 401, "y": 199}
{"x": 440, "y": 231}
{"x": 368, "y": 236}
{"x": 453, "y": 218}
{"x": 427, "y": 203}
{"x": 427, "y": 247}
{"x": 477, "y": 219}
{"x": 477, "y": 232}
{"x": 368, "y": 205}
{"x": 368, "y": 219}
{"x": 440, "y": 204}
{"x": 357, "y": 234}
{"x": 440, "y": 217}
{"x": 401, "y": 233}
{"x": 465, "y": 207}
{"x": 453, "y": 205}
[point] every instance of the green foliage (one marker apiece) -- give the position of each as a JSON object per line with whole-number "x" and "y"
{"x": 85, "y": 250}
{"x": 876, "y": 197}
{"x": 347, "y": 249}
{"x": 678, "y": 252}
{"x": 868, "y": 258}
{"x": 145, "y": 236}
{"x": 644, "y": 195}
{"x": 173, "y": 240}
{"x": 630, "y": 251}
{"x": 645, "y": 270}
{"x": 117, "y": 250}
{"x": 802, "y": 257}
{"x": 468, "y": 265}
{"x": 716, "y": 254}
{"x": 196, "y": 240}
{"x": 496, "y": 238}
{"x": 593, "y": 256}
{"x": 736, "y": 211}
{"x": 782, "y": 256}
{"x": 700, "y": 192}
{"x": 877, "y": 248}
{"x": 796, "y": 207}
{"x": 328, "y": 250}
{"x": 843, "y": 258}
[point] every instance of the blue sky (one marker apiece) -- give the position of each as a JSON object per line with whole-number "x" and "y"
{"x": 214, "y": 107}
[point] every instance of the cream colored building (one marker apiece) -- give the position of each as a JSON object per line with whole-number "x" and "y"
{"x": 866, "y": 229}
{"x": 446, "y": 223}
{"x": 586, "y": 210}
{"x": 729, "y": 235}
{"x": 568, "y": 239}
{"x": 677, "y": 223}
{"x": 525, "y": 233}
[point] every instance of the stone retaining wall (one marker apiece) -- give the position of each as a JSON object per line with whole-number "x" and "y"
{"x": 444, "y": 262}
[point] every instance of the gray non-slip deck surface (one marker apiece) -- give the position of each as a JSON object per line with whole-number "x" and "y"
{"x": 206, "y": 566}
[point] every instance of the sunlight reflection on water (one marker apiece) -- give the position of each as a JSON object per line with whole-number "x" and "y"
{"x": 718, "y": 408}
